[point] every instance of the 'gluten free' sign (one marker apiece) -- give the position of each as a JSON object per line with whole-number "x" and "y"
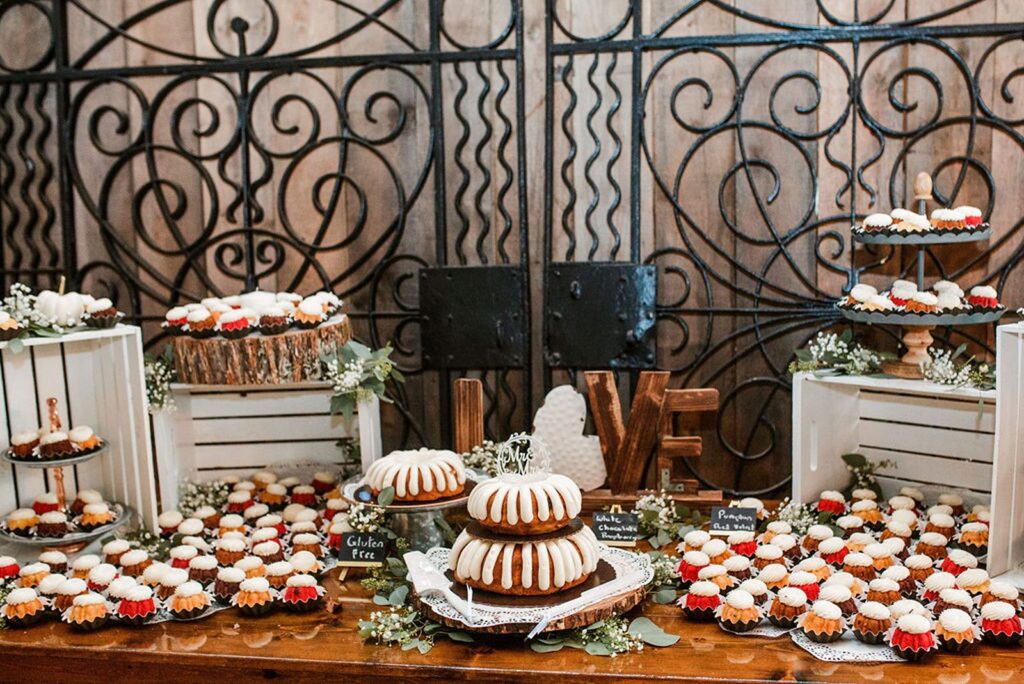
{"x": 362, "y": 550}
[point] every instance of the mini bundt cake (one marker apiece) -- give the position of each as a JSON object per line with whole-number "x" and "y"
{"x": 522, "y": 567}
{"x": 420, "y": 475}
{"x": 533, "y": 503}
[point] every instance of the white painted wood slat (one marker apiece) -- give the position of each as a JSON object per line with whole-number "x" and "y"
{"x": 927, "y": 439}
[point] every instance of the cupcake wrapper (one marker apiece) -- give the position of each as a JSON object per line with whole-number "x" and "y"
{"x": 997, "y": 639}
{"x": 10, "y": 334}
{"x": 235, "y": 334}
{"x": 783, "y": 623}
{"x": 910, "y": 654}
{"x": 738, "y": 627}
{"x": 824, "y": 638}
{"x": 951, "y": 646}
{"x": 274, "y": 329}
{"x": 303, "y": 606}
{"x": 258, "y": 610}
{"x": 188, "y": 614}
{"x": 136, "y": 620}
{"x": 224, "y": 600}
{"x": 700, "y": 615}
{"x": 307, "y": 326}
{"x": 27, "y": 621}
{"x": 90, "y": 626}
{"x": 104, "y": 322}
{"x": 872, "y": 638}
{"x": 202, "y": 334}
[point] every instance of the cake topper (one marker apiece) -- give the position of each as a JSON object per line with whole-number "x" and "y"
{"x": 522, "y": 454}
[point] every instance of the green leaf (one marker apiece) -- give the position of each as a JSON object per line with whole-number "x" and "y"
{"x": 398, "y": 596}
{"x": 959, "y": 351}
{"x": 381, "y": 600}
{"x": 540, "y": 647}
{"x": 409, "y": 645}
{"x": 597, "y": 648}
{"x": 458, "y": 635}
{"x": 803, "y": 355}
{"x": 663, "y": 538}
{"x": 855, "y": 460}
{"x": 664, "y": 596}
{"x": 424, "y": 647}
{"x": 650, "y": 633}
{"x": 16, "y": 346}
{"x": 397, "y": 567}
{"x": 386, "y": 496}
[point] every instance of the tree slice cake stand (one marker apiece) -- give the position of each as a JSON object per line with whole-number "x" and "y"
{"x": 293, "y": 356}
{"x": 623, "y": 573}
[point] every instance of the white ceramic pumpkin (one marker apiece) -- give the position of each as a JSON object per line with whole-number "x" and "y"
{"x": 65, "y": 309}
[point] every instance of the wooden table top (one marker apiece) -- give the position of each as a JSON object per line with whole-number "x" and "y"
{"x": 308, "y": 647}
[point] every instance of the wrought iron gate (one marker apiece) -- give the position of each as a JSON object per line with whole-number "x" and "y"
{"x": 745, "y": 143}
{"x": 379, "y": 148}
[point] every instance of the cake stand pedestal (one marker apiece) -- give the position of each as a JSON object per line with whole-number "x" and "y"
{"x": 419, "y": 523}
{"x": 917, "y": 339}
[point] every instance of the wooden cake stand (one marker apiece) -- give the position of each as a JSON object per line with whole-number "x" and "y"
{"x": 605, "y": 608}
{"x": 292, "y": 356}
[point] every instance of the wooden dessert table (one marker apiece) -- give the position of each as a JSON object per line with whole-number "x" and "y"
{"x": 319, "y": 646}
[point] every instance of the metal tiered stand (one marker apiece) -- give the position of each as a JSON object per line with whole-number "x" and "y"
{"x": 917, "y": 328}
{"x": 73, "y": 540}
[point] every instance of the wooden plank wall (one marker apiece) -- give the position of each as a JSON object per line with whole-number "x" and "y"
{"x": 734, "y": 356}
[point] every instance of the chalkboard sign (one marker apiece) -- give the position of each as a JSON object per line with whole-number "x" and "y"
{"x": 362, "y": 550}
{"x": 615, "y": 529}
{"x": 726, "y": 519}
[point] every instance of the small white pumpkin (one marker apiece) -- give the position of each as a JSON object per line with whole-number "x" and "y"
{"x": 65, "y": 309}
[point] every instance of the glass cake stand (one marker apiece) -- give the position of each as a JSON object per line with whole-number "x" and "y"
{"x": 419, "y": 523}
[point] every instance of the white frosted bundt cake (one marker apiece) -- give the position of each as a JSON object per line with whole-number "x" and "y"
{"x": 420, "y": 475}
{"x": 525, "y": 567}
{"x": 533, "y": 503}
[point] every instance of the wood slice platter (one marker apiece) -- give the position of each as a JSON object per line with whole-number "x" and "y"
{"x": 292, "y": 356}
{"x": 602, "y": 610}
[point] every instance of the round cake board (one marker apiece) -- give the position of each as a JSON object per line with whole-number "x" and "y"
{"x": 602, "y": 610}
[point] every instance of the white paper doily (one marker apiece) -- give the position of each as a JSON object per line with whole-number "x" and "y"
{"x": 846, "y": 650}
{"x": 765, "y": 630}
{"x": 632, "y": 570}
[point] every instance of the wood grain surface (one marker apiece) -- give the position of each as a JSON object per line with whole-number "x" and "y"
{"x": 293, "y": 356}
{"x": 321, "y": 646}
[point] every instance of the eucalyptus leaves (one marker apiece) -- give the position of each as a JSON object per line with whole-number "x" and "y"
{"x": 359, "y": 373}
{"x": 609, "y": 637}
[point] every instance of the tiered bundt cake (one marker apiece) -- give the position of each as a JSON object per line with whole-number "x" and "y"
{"x": 527, "y": 539}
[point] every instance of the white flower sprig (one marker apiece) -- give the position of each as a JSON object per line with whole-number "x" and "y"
{"x": 194, "y": 495}
{"x": 838, "y": 353}
{"x": 366, "y": 518}
{"x": 159, "y": 374}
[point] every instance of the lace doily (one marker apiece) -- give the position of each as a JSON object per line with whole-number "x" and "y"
{"x": 632, "y": 570}
{"x": 765, "y": 630}
{"x": 846, "y": 650}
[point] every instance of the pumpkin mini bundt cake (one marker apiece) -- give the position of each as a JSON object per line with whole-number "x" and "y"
{"x": 419, "y": 475}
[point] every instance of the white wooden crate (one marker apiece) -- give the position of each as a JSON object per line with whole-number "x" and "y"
{"x": 97, "y": 377}
{"x": 221, "y": 430}
{"x": 940, "y": 438}
{"x": 1006, "y": 540}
